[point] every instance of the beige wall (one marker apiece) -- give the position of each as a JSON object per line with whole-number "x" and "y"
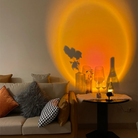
{"x": 23, "y": 47}
{"x": 23, "y": 50}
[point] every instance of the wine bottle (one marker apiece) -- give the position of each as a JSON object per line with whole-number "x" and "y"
{"x": 112, "y": 77}
{"x": 112, "y": 73}
{"x": 110, "y": 87}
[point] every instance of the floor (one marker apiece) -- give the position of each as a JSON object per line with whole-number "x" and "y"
{"x": 122, "y": 133}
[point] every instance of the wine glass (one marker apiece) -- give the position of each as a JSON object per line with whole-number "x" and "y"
{"x": 99, "y": 76}
{"x": 104, "y": 84}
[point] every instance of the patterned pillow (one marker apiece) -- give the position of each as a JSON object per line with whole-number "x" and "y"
{"x": 49, "y": 112}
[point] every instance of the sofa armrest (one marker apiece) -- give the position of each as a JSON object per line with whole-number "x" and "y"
{"x": 73, "y": 114}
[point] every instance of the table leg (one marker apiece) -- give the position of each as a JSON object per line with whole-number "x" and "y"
{"x": 102, "y": 124}
{"x": 102, "y": 117}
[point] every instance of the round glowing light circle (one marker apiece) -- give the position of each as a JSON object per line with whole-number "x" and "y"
{"x": 99, "y": 32}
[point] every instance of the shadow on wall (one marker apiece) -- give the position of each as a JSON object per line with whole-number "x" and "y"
{"x": 74, "y": 55}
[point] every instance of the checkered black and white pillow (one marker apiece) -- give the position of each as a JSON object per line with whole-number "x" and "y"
{"x": 49, "y": 112}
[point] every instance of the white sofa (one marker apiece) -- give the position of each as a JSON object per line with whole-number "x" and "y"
{"x": 15, "y": 125}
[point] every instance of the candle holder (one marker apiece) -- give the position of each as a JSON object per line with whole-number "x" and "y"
{"x": 109, "y": 94}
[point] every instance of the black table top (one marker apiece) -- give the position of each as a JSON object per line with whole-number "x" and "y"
{"x": 107, "y": 102}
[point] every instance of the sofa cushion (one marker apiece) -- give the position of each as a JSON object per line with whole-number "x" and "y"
{"x": 5, "y": 78}
{"x": 52, "y": 90}
{"x": 31, "y": 100}
{"x": 41, "y": 78}
{"x": 49, "y": 112}
{"x": 15, "y": 88}
{"x": 11, "y": 124}
{"x": 64, "y": 108}
{"x": 55, "y": 90}
{"x": 7, "y": 103}
{"x": 30, "y": 127}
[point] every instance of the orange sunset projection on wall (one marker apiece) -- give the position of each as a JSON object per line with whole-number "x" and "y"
{"x": 98, "y": 29}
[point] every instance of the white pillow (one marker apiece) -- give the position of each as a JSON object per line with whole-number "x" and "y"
{"x": 49, "y": 112}
{"x": 55, "y": 90}
{"x": 41, "y": 78}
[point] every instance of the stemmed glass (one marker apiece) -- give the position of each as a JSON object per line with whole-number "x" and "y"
{"x": 104, "y": 84}
{"x": 99, "y": 76}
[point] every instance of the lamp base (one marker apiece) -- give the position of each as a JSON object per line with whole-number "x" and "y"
{"x": 97, "y": 134}
{"x": 109, "y": 100}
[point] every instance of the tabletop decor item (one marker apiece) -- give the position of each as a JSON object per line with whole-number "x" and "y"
{"x": 110, "y": 87}
{"x": 80, "y": 82}
{"x": 104, "y": 85}
{"x": 110, "y": 91}
{"x": 113, "y": 76}
{"x": 88, "y": 78}
{"x": 109, "y": 94}
{"x": 99, "y": 77}
{"x": 99, "y": 95}
{"x": 112, "y": 73}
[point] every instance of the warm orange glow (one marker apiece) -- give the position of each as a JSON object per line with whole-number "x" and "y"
{"x": 110, "y": 90}
{"x": 99, "y": 30}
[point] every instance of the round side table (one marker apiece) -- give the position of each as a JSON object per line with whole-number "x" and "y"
{"x": 102, "y": 119}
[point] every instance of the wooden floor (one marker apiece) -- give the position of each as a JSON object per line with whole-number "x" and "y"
{"x": 122, "y": 133}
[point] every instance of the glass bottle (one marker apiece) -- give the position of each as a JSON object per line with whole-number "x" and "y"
{"x": 112, "y": 73}
{"x": 112, "y": 77}
{"x": 110, "y": 87}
